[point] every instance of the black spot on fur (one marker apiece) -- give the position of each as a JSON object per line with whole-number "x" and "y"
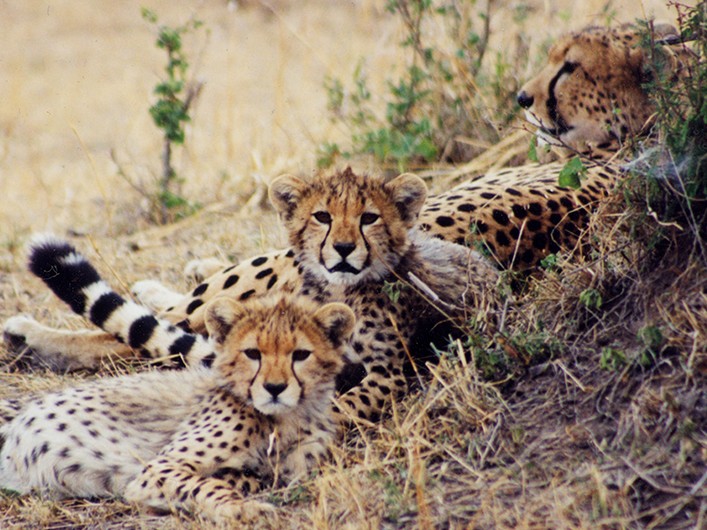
{"x": 184, "y": 325}
{"x": 534, "y": 225}
{"x": 257, "y": 262}
{"x": 201, "y": 289}
{"x": 247, "y": 294}
{"x": 535, "y": 208}
{"x": 444, "y": 220}
{"x": 263, "y": 273}
{"x": 231, "y": 280}
{"x": 194, "y": 305}
{"x": 540, "y": 240}
{"x": 500, "y": 217}
{"x": 272, "y": 281}
{"x": 519, "y": 211}
{"x": 502, "y": 239}
{"x": 567, "y": 203}
{"x": 208, "y": 361}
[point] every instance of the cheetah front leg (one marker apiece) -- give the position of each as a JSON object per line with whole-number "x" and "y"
{"x": 191, "y": 472}
{"x": 309, "y": 451}
{"x": 169, "y": 484}
{"x": 156, "y": 296}
{"x": 384, "y": 382}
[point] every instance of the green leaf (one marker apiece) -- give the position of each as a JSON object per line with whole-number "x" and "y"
{"x": 427, "y": 149}
{"x": 571, "y": 175}
{"x": 149, "y": 15}
{"x": 591, "y": 298}
{"x": 549, "y": 262}
{"x": 392, "y": 289}
{"x": 533, "y": 150}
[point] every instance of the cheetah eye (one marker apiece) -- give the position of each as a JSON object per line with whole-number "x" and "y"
{"x": 322, "y": 217}
{"x": 300, "y": 355}
{"x": 252, "y": 354}
{"x": 368, "y": 218}
{"x": 568, "y": 67}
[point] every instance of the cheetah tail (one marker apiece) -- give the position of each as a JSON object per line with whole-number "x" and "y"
{"x": 75, "y": 281}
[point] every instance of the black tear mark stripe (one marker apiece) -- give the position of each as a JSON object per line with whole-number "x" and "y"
{"x": 551, "y": 102}
{"x": 73, "y": 279}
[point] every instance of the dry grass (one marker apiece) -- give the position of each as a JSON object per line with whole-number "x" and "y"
{"x": 563, "y": 443}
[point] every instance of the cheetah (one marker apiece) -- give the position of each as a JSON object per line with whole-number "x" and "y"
{"x": 519, "y": 215}
{"x": 351, "y": 235}
{"x": 189, "y": 439}
{"x": 589, "y": 99}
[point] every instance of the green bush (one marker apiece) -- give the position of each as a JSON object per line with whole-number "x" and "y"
{"x": 675, "y": 167}
{"x": 451, "y": 87}
{"x": 170, "y": 113}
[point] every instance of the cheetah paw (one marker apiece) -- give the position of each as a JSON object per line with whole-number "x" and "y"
{"x": 243, "y": 511}
{"x": 21, "y": 337}
{"x": 155, "y": 296}
{"x": 200, "y": 269}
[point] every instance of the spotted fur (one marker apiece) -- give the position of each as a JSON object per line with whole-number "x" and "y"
{"x": 351, "y": 235}
{"x": 590, "y": 93}
{"x": 192, "y": 439}
{"x": 518, "y": 215}
{"x": 589, "y": 99}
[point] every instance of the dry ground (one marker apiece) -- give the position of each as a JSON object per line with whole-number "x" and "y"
{"x": 565, "y": 445}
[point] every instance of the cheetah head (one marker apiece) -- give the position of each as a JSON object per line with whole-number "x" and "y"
{"x": 590, "y": 91}
{"x": 280, "y": 354}
{"x": 347, "y": 228}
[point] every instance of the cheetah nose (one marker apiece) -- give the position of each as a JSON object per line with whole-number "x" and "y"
{"x": 344, "y": 249}
{"x": 275, "y": 388}
{"x": 524, "y": 99}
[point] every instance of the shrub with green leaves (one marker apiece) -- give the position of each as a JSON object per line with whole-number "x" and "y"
{"x": 451, "y": 87}
{"x": 675, "y": 168}
{"x": 171, "y": 112}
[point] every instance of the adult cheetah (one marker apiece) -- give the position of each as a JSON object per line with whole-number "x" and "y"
{"x": 519, "y": 214}
{"x": 589, "y": 99}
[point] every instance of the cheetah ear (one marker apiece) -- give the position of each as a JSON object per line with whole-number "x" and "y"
{"x": 285, "y": 193}
{"x": 337, "y": 320}
{"x": 408, "y": 192}
{"x": 221, "y": 315}
{"x": 665, "y": 33}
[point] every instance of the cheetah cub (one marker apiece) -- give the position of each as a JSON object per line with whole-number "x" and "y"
{"x": 189, "y": 439}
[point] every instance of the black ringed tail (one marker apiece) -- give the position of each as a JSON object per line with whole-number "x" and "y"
{"x": 76, "y": 282}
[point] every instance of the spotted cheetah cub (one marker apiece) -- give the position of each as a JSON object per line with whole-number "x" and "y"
{"x": 173, "y": 439}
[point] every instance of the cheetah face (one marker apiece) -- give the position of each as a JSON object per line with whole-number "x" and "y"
{"x": 282, "y": 354}
{"x": 590, "y": 90}
{"x": 347, "y": 229}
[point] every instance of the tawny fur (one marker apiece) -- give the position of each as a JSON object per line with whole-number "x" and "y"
{"x": 172, "y": 439}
